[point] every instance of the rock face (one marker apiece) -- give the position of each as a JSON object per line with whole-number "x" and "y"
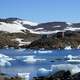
{"x": 60, "y": 75}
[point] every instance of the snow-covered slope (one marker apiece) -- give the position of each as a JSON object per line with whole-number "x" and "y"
{"x": 11, "y": 27}
{"x": 29, "y": 23}
{"x": 54, "y": 27}
{"x": 45, "y": 32}
{"x": 54, "y": 31}
{"x": 14, "y": 26}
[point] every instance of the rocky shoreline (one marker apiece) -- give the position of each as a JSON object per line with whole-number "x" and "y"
{"x": 33, "y": 41}
{"x": 60, "y": 75}
{"x": 6, "y": 77}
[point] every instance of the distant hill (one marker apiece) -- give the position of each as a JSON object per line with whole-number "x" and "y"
{"x": 15, "y": 32}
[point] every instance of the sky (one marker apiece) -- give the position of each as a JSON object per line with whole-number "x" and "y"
{"x": 41, "y": 10}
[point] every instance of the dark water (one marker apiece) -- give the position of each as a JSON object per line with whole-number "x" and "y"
{"x": 44, "y": 59}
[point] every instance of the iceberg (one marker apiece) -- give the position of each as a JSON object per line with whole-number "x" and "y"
{"x": 43, "y": 51}
{"x": 73, "y": 59}
{"x": 25, "y": 76}
{"x": 43, "y": 72}
{"x": 5, "y": 60}
{"x": 68, "y": 48}
{"x": 67, "y": 67}
{"x": 31, "y": 59}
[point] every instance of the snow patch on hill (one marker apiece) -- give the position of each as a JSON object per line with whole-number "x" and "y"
{"x": 11, "y": 27}
{"x": 18, "y": 26}
{"x": 44, "y": 32}
{"x": 72, "y": 29}
{"x": 15, "y": 26}
{"x": 21, "y": 42}
{"x": 29, "y": 23}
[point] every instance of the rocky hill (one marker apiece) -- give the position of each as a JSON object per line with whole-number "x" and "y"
{"x": 15, "y": 32}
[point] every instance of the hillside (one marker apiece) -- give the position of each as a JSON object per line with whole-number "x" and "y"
{"x": 15, "y": 32}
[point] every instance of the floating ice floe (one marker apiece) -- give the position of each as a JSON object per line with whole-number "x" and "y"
{"x": 68, "y": 48}
{"x": 2, "y": 56}
{"x": 31, "y": 59}
{"x": 73, "y": 59}
{"x": 67, "y": 67}
{"x": 43, "y": 72}
{"x": 43, "y": 51}
{"x": 20, "y": 50}
{"x": 25, "y": 76}
{"x": 70, "y": 57}
{"x": 5, "y": 60}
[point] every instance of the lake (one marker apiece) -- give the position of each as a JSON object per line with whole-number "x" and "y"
{"x": 15, "y": 61}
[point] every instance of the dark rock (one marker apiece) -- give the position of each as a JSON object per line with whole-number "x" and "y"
{"x": 76, "y": 76}
{"x": 60, "y": 75}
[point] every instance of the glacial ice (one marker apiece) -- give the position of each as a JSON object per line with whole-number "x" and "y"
{"x": 5, "y": 60}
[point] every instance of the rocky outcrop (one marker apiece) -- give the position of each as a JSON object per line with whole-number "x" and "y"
{"x": 60, "y": 75}
{"x": 55, "y": 41}
{"x": 49, "y": 35}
